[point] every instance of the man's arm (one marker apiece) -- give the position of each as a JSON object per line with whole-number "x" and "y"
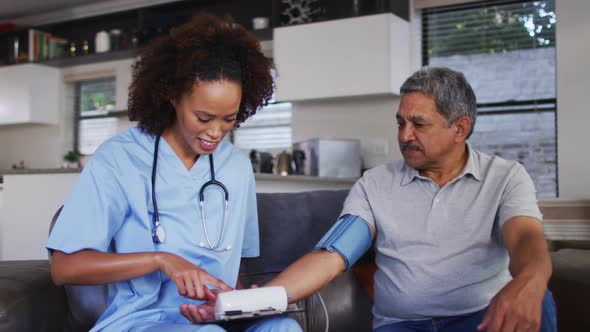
{"x": 309, "y": 274}
{"x": 302, "y": 278}
{"x": 524, "y": 239}
{"x": 348, "y": 239}
{"x": 518, "y": 305}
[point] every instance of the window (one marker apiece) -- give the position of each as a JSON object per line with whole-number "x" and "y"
{"x": 96, "y": 117}
{"x": 506, "y": 49}
{"x": 269, "y": 128}
{"x": 97, "y": 120}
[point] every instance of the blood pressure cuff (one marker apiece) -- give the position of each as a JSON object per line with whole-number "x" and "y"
{"x": 350, "y": 237}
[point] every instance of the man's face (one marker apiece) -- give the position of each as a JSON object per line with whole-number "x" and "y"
{"x": 423, "y": 135}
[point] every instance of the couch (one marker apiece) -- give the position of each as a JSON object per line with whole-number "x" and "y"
{"x": 290, "y": 225}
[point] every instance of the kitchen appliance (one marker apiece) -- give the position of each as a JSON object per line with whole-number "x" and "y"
{"x": 284, "y": 166}
{"x": 298, "y": 159}
{"x": 329, "y": 157}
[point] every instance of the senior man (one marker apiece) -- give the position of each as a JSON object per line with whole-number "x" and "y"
{"x": 458, "y": 235}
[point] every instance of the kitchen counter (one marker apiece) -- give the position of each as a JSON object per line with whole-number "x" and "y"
{"x": 258, "y": 176}
{"x": 294, "y": 183}
{"x": 41, "y": 171}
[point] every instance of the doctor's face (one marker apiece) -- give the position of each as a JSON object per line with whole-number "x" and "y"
{"x": 207, "y": 114}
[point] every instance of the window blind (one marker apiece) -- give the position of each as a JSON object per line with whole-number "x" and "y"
{"x": 506, "y": 50}
{"x": 270, "y": 128}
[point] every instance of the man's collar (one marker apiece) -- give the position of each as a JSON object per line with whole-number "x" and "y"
{"x": 471, "y": 167}
{"x": 410, "y": 174}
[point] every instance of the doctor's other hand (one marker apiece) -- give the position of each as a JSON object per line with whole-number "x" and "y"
{"x": 191, "y": 280}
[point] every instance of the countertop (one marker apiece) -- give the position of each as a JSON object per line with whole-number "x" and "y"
{"x": 258, "y": 176}
{"x": 40, "y": 171}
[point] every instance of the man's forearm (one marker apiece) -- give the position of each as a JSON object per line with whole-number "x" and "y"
{"x": 309, "y": 274}
{"x": 530, "y": 258}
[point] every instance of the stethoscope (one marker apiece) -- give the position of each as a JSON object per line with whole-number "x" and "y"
{"x": 158, "y": 232}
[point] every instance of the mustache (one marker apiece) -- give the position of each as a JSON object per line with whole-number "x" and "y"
{"x": 410, "y": 146}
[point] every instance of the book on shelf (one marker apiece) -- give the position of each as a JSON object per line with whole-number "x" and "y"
{"x": 45, "y": 46}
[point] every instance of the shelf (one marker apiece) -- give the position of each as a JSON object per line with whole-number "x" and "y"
{"x": 91, "y": 58}
{"x": 264, "y": 36}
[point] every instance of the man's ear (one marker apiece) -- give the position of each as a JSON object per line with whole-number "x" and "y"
{"x": 462, "y": 128}
{"x": 173, "y": 102}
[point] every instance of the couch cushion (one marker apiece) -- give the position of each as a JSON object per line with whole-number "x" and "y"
{"x": 26, "y": 292}
{"x": 290, "y": 225}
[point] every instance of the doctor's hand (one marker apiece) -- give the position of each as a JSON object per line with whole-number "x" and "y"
{"x": 517, "y": 307}
{"x": 191, "y": 280}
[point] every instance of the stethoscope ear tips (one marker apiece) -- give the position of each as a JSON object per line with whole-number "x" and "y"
{"x": 201, "y": 244}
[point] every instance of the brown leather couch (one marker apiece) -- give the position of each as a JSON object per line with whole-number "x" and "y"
{"x": 290, "y": 225}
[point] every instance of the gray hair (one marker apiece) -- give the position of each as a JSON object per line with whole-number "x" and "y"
{"x": 452, "y": 93}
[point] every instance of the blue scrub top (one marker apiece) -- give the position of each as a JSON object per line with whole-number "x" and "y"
{"x": 110, "y": 210}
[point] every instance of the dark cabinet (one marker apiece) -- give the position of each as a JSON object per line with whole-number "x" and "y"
{"x": 60, "y": 42}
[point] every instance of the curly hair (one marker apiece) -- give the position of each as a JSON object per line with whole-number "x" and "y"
{"x": 208, "y": 48}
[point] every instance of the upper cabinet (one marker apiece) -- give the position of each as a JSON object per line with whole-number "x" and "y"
{"x": 365, "y": 55}
{"x": 29, "y": 93}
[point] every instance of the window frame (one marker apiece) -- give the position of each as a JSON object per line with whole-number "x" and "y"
{"x": 78, "y": 112}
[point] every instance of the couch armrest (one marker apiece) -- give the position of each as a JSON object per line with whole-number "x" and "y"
{"x": 28, "y": 299}
{"x": 555, "y": 245}
{"x": 570, "y": 284}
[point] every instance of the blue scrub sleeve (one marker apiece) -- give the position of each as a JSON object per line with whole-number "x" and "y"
{"x": 93, "y": 212}
{"x": 251, "y": 243}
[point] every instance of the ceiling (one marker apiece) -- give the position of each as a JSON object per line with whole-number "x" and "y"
{"x": 18, "y": 8}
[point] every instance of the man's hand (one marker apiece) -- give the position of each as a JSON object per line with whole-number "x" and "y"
{"x": 516, "y": 307}
{"x": 203, "y": 312}
{"x": 190, "y": 279}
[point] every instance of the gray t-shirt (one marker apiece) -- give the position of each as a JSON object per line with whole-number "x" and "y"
{"x": 440, "y": 251}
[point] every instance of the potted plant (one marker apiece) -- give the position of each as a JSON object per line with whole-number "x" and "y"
{"x": 72, "y": 159}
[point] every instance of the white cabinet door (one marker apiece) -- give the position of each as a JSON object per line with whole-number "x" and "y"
{"x": 365, "y": 55}
{"x": 29, "y": 93}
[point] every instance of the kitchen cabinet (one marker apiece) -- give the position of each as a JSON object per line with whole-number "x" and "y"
{"x": 29, "y": 93}
{"x": 367, "y": 55}
{"x": 30, "y": 200}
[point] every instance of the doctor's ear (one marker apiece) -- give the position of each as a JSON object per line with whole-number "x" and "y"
{"x": 173, "y": 103}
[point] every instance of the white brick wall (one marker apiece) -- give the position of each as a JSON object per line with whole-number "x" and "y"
{"x": 516, "y": 75}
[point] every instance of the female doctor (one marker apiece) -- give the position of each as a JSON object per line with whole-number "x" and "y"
{"x": 163, "y": 212}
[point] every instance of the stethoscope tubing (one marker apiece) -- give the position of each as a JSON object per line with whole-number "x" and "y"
{"x": 158, "y": 233}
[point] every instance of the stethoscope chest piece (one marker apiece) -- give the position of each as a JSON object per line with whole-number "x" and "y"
{"x": 159, "y": 234}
